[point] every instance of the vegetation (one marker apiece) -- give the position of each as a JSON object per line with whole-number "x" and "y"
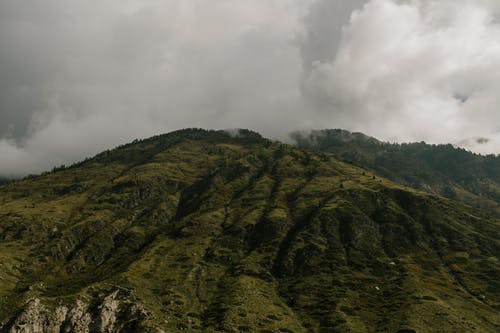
{"x": 440, "y": 169}
{"x": 207, "y": 232}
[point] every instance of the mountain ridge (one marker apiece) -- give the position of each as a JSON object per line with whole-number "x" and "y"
{"x": 440, "y": 169}
{"x": 206, "y": 231}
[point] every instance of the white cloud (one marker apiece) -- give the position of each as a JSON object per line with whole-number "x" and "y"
{"x": 415, "y": 70}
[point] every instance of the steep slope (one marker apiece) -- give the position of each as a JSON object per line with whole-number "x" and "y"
{"x": 203, "y": 232}
{"x": 441, "y": 169}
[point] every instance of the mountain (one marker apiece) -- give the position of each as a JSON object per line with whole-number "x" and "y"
{"x": 440, "y": 169}
{"x": 203, "y": 231}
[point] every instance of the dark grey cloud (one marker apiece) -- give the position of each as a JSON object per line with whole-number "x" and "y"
{"x": 324, "y": 26}
{"x": 77, "y": 77}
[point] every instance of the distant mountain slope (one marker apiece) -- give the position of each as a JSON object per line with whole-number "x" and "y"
{"x": 200, "y": 231}
{"x": 442, "y": 169}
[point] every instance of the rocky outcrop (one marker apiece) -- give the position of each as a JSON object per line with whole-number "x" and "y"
{"x": 31, "y": 320}
{"x": 79, "y": 318}
{"x": 108, "y": 311}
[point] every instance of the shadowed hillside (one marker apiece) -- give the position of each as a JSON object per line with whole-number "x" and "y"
{"x": 201, "y": 231}
{"x": 441, "y": 169}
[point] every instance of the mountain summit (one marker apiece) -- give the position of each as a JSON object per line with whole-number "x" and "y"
{"x": 205, "y": 231}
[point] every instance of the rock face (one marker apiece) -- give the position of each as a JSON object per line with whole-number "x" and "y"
{"x": 32, "y": 320}
{"x": 79, "y": 318}
{"x": 108, "y": 311}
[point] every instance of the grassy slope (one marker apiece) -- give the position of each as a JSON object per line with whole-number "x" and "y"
{"x": 212, "y": 233}
{"x": 441, "y": 169}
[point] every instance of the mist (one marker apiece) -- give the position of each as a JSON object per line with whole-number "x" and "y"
{"x": 77, "y": 78}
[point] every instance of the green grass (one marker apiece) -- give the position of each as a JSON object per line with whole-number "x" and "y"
{"x": 440, "y": 169}
{"x": 208, "y": 233}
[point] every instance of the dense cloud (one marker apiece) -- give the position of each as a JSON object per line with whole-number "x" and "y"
{"x": 80, "y": 77}
{"x": 77, "y": 77}
{"x": 413, "y": 70}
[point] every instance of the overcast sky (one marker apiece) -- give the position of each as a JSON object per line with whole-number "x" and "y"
{"x": 79, "y": 76}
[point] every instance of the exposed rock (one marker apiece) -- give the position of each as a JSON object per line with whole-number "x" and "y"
{"x": 108, "y": 312}
{"x": 39, "y": 318}
{"x": 31, "y": 319}
{"x": 55, "y": 323}
{"x": 79, "y": 319}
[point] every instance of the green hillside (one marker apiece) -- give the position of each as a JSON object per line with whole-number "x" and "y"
{"x": 441, "y": 169}
{"x": 201, "y": 231}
